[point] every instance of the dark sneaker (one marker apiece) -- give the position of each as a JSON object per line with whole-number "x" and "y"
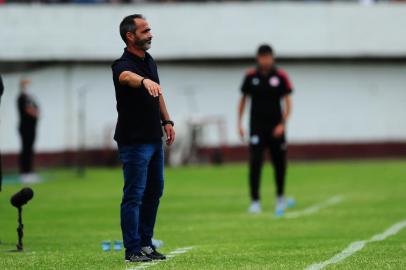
{"x": 137, "y": 257}
{"x": 151, "y": 252}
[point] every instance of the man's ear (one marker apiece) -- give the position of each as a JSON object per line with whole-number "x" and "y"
{"x": 130, "y": 36}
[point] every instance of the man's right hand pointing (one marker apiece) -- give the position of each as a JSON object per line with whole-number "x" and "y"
{"x": 152, "y": 87}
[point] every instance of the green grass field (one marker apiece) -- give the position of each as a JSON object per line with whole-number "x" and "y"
{"x": 205, "y": 207}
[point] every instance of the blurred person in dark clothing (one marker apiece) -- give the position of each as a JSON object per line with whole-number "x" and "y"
{"x": 1, "y": 93}
{"x": 28, "y": 112}
{"x": 269, "y": 89}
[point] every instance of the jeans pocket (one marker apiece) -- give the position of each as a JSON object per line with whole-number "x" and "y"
{"x": 136, "y": 153}
{"x": 123, "y": 152}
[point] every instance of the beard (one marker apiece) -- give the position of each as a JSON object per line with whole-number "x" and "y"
{"x": 143, "y": 44}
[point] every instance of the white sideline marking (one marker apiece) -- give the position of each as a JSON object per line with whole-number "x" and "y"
{"x": 358, "y": 245}
{"x": 171, "y": 255}
{"x": 315, "y": 208}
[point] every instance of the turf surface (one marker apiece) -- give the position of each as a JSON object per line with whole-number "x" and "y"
{"x": 205, "y": 207}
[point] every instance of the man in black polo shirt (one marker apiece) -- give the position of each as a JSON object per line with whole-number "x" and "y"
{"x": 141, "y": 115}
{"x": 267, "y": 86}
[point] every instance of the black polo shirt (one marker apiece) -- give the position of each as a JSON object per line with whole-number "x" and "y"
{"x": 139, "y": 117}
{"x": 266, "y": 92}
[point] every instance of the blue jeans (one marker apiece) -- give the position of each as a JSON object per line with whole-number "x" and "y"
{"x": 143, "y": 167}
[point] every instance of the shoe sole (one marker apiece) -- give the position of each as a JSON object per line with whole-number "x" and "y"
{"x": 129, "y": 261}
{"x": 156, "y": 259}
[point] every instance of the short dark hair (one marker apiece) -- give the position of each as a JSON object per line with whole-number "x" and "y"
{"x": 128, "y": 25}
{"x": 264, "y": 49}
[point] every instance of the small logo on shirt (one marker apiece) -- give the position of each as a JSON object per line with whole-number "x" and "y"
{"x": 254, "y": 139}
{"x": 255, "y": 81}
{"x": 274, "y": 81}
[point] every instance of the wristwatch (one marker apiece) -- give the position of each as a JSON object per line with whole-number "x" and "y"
{"x": 165, "y": 122}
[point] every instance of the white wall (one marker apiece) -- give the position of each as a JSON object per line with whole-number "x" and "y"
{"x": 332, "y": 102}
{"x": 224, "y": 30}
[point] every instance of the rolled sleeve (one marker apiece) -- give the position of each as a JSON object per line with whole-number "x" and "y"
{"x": 119, "y": 67}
